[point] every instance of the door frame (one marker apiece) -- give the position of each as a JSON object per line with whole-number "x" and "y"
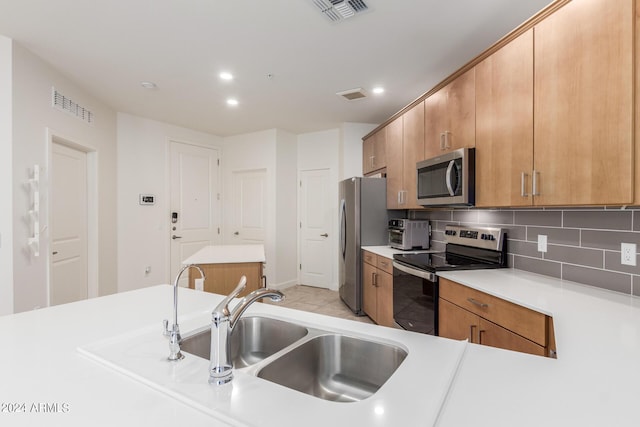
{"x": 167, "y": 195}
{"x": 92, "y": 209}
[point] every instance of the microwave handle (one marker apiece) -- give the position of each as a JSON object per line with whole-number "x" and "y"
{"x": 452, "y": 164}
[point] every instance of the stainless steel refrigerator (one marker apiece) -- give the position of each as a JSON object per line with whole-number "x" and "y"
{"x": 363, "y": 222}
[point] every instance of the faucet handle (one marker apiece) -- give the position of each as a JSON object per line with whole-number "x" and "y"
{"x": 165, "y": 328}
{"x": 223, "y": 307}
{"x": 239, "y": 287}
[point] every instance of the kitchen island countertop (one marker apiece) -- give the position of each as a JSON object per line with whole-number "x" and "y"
{"x": 595, "y": 381}
{"x": 227, "y": 254}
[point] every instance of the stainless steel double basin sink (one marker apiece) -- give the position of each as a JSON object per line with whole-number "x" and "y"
{"x": 323, "y": 364}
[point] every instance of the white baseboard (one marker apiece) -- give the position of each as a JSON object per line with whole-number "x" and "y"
{"x": 283, "y": 285}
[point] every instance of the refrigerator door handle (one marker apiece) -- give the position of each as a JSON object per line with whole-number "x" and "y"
{"x": 343, "y": 228}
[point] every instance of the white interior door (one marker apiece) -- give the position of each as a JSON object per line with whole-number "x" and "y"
{"x": 317, "y": 207}
{"x": 68, "y": 261}
{"x": 249, "y": 206}
{"x": 194, "y": 218}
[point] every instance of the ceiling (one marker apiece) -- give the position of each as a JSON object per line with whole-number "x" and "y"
{"x": 288, "y": 59}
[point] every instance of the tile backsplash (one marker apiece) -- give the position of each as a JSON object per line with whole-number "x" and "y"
{"x": 583, "y": 244}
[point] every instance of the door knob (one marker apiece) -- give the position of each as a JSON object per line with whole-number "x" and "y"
{"x": 236, "y": 233}
{"x": 324, "y": 235}
{"x": 55, "y": 252}
{"x": 174, "y": 237}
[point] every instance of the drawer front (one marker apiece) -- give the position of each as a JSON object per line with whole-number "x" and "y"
{"x": 370, "y": 258}
{"x": 523, "y": 321}
{"x": 385, "y": 264}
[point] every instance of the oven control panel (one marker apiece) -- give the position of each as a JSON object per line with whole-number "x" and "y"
{"x": 478, "y": 237}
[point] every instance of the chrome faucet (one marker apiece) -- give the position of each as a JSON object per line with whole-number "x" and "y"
{"x": 222, "y": 323}
{"x": 174, "y": 332}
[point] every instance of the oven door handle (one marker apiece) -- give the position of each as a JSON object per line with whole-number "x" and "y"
{"x": 415, "y": 272}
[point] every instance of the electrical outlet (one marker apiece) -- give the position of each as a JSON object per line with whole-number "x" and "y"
{"x": 628, "y": 254}
{"x": 199, "y": 284}
{"x": 542, "y": 243}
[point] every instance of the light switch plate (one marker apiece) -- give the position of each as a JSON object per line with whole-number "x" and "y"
{"x": 542, "y": 243}
{"x": 628, "y": 254}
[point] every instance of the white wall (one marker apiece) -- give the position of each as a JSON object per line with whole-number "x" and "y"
{"x": 33, "y": 116}
{"x": 286, "y": 209}
{"x": 6, "y": 179}
{"x": 143, "y": 231}
{"x": 321, "y": 150}
{"x": 351, "y": 148}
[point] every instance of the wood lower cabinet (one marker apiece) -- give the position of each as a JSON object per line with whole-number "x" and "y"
{"x": 466, "y": 313}
{"x": 377, "y": 284}
{"x": 223, "y": 278}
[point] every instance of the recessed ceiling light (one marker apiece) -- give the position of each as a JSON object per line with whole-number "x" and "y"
{"x": 226, "y": 75}
{"x": 232, "y": 102}
{"x": 378, "y": 90}
{"x": 148, "y": 85}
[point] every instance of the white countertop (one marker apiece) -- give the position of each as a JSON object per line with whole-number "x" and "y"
{"x": 227, "y": 254}
{"x": 105, "y": 359}
{"x": 594, "y": 382}
{"x": 389, "y": 252}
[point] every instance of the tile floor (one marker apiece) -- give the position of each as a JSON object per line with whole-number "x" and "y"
{"x": 318, "y": 300}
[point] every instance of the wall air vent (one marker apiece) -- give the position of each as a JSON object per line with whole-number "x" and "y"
{"x": 352, "y": 94}
{"x": 63, "y": 103}
{"x": 338, "y": 10}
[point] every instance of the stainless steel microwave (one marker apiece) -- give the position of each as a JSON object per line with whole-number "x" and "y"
{"x": 447, "y": 180}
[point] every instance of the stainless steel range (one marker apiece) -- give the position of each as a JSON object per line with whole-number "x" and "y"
{"x": 415, "y": 280}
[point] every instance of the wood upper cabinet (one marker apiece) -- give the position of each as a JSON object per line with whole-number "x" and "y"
{"x": 374, "y": 152}
{"x": 504, "y": 125}
{"x": 583, "y": 104}
{"x": 412, "y": 152}
{"x": 394, "y": 164}
{"x": 405, "y": 147}
{"x": 450, "y": 117}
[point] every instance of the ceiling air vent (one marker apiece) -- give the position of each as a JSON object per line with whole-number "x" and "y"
{"x": 337, "y": 10}
{"x": 352, "y": 94}
{"x": 63, "y": 103}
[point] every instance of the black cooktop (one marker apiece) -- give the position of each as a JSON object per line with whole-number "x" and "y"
{"x": 443, "y": 261}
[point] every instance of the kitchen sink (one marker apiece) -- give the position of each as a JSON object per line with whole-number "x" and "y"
{"x": 253, "y": 339}
{"x": 335, "y": 367}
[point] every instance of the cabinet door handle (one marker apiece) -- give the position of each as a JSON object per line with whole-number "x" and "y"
{"x": 523, "y": 184}
{"x": 374, "y": 279}
{"x": 478, "y": 303}
{"x": 471, "y": 332}
{"x": 534, "y": 189}
{"x": 447, "y": 139}
{"x": 371, "y": 160}
{"x": 480, "y": 336}
{"x": 442, "y": 141}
